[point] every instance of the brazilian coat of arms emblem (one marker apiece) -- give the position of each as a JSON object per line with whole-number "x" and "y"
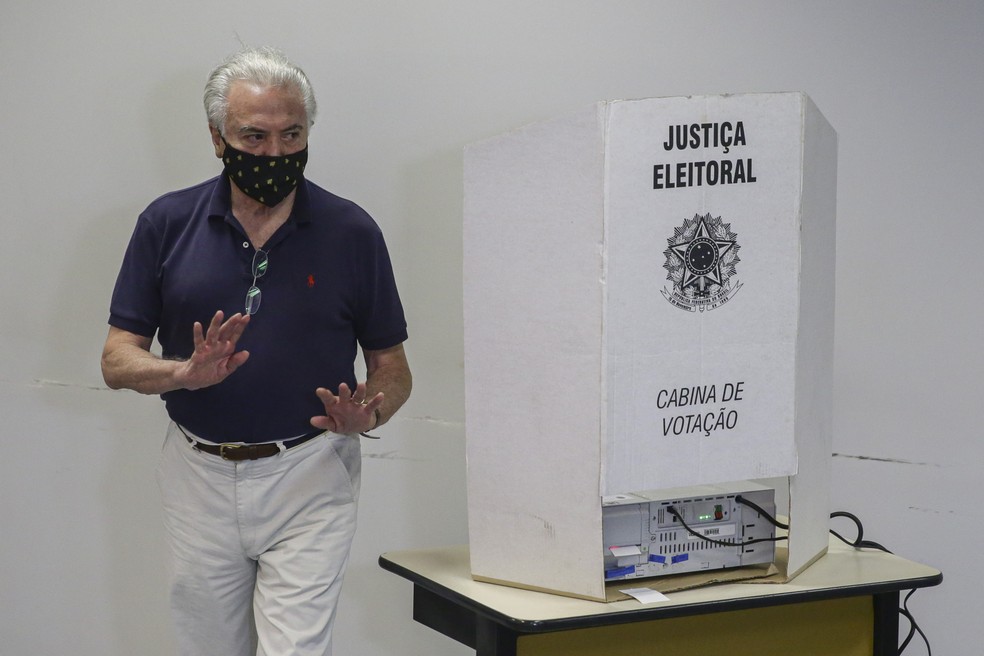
{"x": 701, "y": 263}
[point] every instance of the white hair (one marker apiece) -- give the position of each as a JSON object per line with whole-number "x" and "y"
{"x": 265, "y": 66}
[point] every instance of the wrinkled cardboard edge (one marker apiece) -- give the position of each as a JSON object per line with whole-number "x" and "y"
{"x": 772, "y": 573}
{"x": 535, "y": 588}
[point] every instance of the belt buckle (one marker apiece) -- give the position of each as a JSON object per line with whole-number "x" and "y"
{"x": 223, "y": 448}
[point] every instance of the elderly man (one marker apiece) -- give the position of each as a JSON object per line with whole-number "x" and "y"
{"x": 260, "y": 287}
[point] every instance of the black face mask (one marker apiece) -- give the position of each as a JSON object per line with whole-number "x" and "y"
{"x": 264, "y": 178}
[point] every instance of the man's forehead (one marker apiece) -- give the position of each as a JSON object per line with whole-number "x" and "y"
{"x": 255, "y": 108}
{"x": 248, "y": 96}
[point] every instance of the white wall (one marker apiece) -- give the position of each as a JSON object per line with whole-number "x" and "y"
{"x": 100, "y": 113}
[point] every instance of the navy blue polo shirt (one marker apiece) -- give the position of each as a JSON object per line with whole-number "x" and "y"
{"x": 329, "y": 287}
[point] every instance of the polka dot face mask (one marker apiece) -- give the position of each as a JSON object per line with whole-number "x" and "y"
{"x": 264, "y": 178}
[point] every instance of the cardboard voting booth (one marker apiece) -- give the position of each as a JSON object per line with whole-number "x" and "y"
{"x": 648, "y": 304}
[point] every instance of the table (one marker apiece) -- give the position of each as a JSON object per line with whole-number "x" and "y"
{"x": 846, "y": 603}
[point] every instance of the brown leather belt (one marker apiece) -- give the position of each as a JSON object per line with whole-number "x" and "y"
{"x": 239, "y": 452}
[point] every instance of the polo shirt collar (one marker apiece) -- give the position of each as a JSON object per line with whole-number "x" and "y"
{"x": 220, "y": 204}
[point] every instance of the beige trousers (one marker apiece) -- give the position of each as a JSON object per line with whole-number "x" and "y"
{"x": 259, "y": 547}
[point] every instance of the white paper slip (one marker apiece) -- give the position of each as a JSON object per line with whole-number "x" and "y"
{"x": 645, "y": 595}
{"x": 620, "y": 552}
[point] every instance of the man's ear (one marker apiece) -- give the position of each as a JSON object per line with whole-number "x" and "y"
{"x": 217, "y": 142}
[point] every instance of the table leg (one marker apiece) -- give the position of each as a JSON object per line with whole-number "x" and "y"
{"x": 886, "y": 623}
{"x": 493, "y": 639}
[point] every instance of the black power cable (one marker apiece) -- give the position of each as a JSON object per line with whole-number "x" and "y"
{"x": 858, "y": 543}
{"x": 757, "y": 508}
{"x": 673, "y": 511}
{"x": 913, "y": 627}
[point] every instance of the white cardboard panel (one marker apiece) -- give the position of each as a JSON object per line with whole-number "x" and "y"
{"x": 570, "y": 338}
{"x": 749, "y": 341}
{"x": 809, "y": 489}
{"x": 532, "y": 318}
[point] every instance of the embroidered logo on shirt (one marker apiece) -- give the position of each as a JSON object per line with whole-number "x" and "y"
{"x": 310, "y": 280}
